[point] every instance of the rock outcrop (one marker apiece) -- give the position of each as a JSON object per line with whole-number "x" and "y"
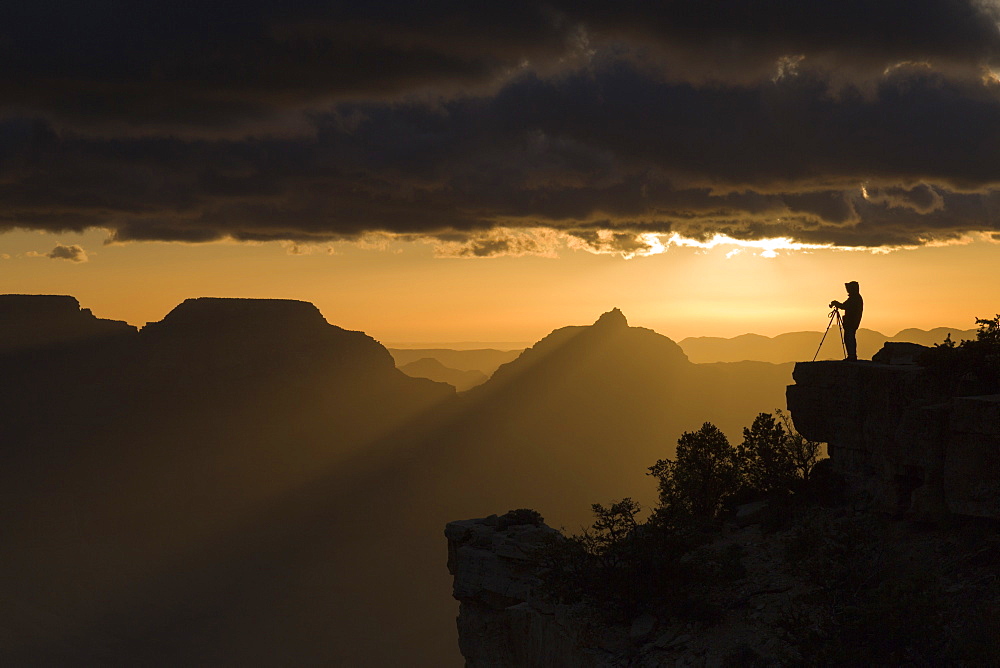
{"x": 218, "y": 334}
{"x": 897, "y": 437}
{"x": 501, "y": 622}
{"x": 802, "y": 586}
{"x": 611, "y": 319}
{"x": 203, "y": 350}
{"x": 506, "y": 620}
{"x": 802, "y": 576}
{"x": 36, "y": 322}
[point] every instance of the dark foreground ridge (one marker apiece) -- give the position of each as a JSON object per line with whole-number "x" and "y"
{"x": 900, "y": 570}
{"x": 833, "y": 586}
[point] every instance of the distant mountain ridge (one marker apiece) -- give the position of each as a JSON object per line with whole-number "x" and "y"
{"x": 484, "y": 360}
{"x": 604, "y": 401}
{"x": 779, "y": 349}
{"x": 801, "y": 346}
{"x": 431, "y": 368}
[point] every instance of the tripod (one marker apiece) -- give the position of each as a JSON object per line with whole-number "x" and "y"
{"x": 834, "y": 314}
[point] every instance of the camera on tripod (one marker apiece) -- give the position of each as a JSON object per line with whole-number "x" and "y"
{"x": 834, "y": 316}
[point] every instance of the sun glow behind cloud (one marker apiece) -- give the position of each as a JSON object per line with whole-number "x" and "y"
{"x": 551, "y": 243}
{"x": 766, "y": 247}
{"x": 547, "y": 242}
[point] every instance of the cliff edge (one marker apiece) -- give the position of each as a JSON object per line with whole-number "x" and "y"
{"x": 828, "y": 586}
{"x": 502, "y": 621}
{"x": 897, "y": 437}
{"x": 805, "y": 583}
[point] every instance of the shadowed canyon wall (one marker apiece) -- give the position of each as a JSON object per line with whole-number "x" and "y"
{"x": 244, "y": 482}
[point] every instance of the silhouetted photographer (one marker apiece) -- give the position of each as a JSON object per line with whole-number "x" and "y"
{"x": 853, "y": 306}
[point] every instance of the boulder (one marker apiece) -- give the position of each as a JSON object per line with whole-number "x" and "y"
{"x": 899, "y": 352}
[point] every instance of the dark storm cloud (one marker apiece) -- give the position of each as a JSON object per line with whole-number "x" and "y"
{"x": 741, "y": 40}
{"x": 209, "y": 66}
{"x": 318, "y": 121}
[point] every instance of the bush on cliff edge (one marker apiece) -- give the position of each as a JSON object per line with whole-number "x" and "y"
{"x": 623, "y": 567}
{"x": 969, "y": 367}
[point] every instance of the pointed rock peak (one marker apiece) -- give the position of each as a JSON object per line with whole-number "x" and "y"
{"x": 613, "y": 318}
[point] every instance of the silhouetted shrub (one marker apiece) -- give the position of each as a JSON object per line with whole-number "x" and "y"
{"x": 989, "y": 330}
{"x": 513, "y": 518}
{"x": 764, "y": 459}
{"x": 614, "y": 526}
{"x": 774, "y": 457}
{"x": 969, "y": 367}
{"x": 622, "y": 567}
{"x": 804, "y": 454}
{"x": 704, "y": 474}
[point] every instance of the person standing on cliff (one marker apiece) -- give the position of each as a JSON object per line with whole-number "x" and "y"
{"x": 853, "y": 307}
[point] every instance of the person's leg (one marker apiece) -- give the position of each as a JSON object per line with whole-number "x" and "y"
{"x": 851, "y": 342}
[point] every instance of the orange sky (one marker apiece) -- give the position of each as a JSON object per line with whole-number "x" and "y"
{"x": 401, "y": 292}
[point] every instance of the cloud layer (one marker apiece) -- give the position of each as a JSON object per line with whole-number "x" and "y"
{"x": 851, "y": 123}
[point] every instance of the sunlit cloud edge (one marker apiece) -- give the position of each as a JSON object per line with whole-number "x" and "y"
{"x": 549, "y": 242}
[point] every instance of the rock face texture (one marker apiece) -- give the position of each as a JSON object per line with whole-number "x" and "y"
{"x": 504, "y": 621}
{"x": 895, "y": 436}
{"x": 801, "y": 587}
{"x": 500, "y": 622}
{"x": 892, "y": 432}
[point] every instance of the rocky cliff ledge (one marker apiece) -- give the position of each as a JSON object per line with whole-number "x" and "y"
{"x": 501, "y": 620}
{"x": 895, "y": 436}
{"x": 504, "y": 621}
{"x": 834, "y": 584}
